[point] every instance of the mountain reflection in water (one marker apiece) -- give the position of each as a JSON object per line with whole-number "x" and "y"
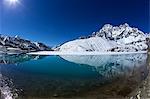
{"x": 16, "y": 59}
{"x": 100, "y": 76}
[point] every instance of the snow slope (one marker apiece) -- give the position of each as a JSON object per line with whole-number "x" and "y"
{"x": 90, "y": 44}
{"x": 110, "y": 38}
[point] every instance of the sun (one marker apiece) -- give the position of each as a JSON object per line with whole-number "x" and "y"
{"x": 11, "y": 2}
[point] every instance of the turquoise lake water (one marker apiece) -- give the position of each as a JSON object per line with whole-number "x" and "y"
{"x": 72, "y": 77}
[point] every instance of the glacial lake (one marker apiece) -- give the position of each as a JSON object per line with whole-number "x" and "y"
{"x": 75, "y": 77}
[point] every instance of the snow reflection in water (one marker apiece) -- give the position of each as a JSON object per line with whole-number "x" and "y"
{"x": 110, "y": 65}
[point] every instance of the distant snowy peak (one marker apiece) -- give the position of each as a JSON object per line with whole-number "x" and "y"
{"x": 110, "y": 38}
{"x": 118, "y": 32}
{"x": 18, "y": 45}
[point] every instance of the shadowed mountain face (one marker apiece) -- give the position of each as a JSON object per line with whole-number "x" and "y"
{"x": 148, "y": 40}
{"x": 102, "y": 76}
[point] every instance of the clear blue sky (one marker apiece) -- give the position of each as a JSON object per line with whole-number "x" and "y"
{"x": 56, "y": 21}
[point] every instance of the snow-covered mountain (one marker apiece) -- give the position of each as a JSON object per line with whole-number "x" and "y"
{"x": 19, "y": 45}
{"x": 110, "y": 38}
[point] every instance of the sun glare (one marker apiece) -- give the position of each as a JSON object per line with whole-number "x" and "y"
{"x": 11, "y": 2}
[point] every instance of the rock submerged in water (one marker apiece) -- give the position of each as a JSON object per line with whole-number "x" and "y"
{"x": 17, "y": 45}
{"x": 110, "y": 38}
